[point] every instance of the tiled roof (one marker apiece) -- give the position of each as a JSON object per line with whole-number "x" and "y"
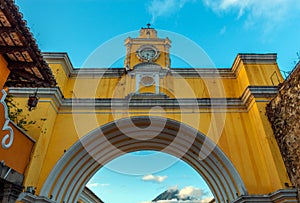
{"x": 19, "y": 48}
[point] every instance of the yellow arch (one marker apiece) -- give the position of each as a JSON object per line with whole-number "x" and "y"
{"x": 71, "y": 173}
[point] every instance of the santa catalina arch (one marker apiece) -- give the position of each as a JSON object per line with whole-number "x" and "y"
{"x": 211, "y": 118}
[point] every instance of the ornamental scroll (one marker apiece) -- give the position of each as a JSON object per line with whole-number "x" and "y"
{"x": 10, "y": 135}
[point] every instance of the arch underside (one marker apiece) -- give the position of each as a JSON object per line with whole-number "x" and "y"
{"x": 88, "y": 155}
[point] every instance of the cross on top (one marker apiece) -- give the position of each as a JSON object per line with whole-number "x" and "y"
{"x": 148, "y": 25}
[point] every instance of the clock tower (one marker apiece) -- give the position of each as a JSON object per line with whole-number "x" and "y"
{"x": 147, "y": 48}
{"x": 147, "y": 63}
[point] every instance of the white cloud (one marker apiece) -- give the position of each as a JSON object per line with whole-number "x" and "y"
{"x": 158, "y": 179}
{"x": 194, "y": 194}
{"x": 90, "y": 185}
{"x": 226, "y": 5}
{"x": 160, "y": 8}
{"x": 104, "y": 184}
{"x": 266, "y": 12}
{"x": 190, "y": 191}
{"x": 184, "y": 201}
{"x": 207, "y": 199}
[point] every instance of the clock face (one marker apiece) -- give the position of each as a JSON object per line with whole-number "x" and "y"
{"x": 148, "y": 53}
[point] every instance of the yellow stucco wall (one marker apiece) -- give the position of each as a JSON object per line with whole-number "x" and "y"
{"x": 246, "y": 137}
{"x": 60, "y": 75}
{"x": 91, "y": 87}
{"x": 42, "y": 133}
{"x": 263, "y": 74}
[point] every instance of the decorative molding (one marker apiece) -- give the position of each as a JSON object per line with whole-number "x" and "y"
{"x": 147, "y": 80}
{"x": 98, "y": 72}
{"x": 10, "y": 135}
{"x": 147, "y": 101}
{"x": 253, "y": 92}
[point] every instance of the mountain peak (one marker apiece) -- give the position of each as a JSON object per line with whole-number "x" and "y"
{"x": 167, "y": 195}
{"x": 172, "y": 194}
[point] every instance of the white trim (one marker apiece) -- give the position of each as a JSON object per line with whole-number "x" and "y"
{"x": 157, "y": 85}
{"x": 137, "y": 83}
{"x": 5, "y": 127}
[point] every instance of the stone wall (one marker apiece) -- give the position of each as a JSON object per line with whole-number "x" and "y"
{"x": 284, "y": 114}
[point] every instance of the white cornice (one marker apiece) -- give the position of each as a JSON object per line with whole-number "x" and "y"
{"x": 203, "y": 72}
{"x": 62, "y": 58}
{"x": 269, "y": 58}
{"x": 138, "y": 40}
{"x": 54, "y": 94}
{"x": 59, "y": 102}
{"x": 59, "y": 58}
{"x": 248, "y": 58}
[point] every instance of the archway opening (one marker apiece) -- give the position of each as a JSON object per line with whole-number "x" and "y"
{"x": 146, "y": 176}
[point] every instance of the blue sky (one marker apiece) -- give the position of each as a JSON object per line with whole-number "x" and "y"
{"x": 222, "y": 28}
{"x": 116, "y": 183}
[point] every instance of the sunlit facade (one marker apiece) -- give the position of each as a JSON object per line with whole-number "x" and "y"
{"x": 211, "y": 118}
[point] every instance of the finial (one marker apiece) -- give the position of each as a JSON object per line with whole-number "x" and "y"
{"x": 148, "y": 25}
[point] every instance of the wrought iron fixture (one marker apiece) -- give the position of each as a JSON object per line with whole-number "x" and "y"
{"x": 33, "y": 100}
